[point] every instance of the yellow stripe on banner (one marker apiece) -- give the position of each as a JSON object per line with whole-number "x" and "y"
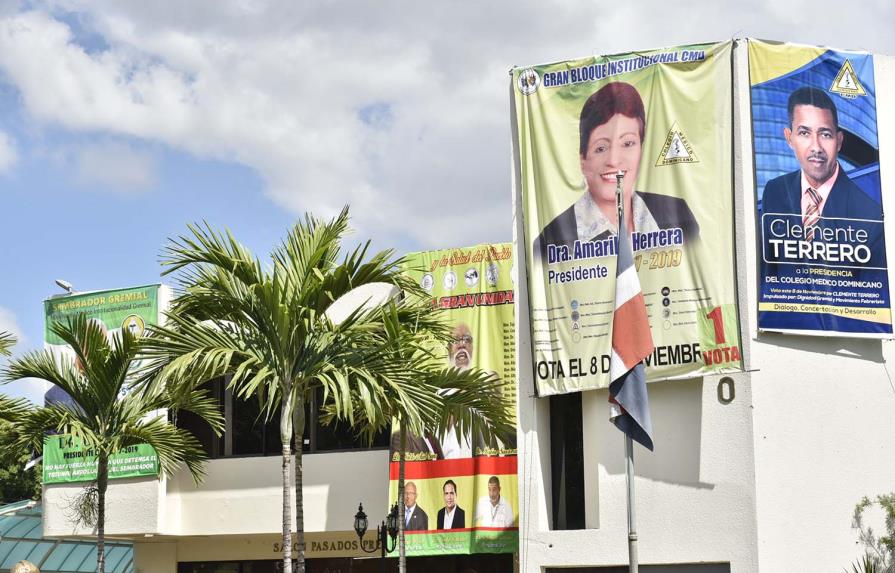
{"x": 878, "y": 315}
{"x": 770, "y": 60}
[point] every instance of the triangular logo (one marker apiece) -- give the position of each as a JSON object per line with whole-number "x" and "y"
{"x": 677, "y": 149}
{"x": 846, "y": 82}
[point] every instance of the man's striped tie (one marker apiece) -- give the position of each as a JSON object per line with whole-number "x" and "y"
{"x": 812, "y": 213}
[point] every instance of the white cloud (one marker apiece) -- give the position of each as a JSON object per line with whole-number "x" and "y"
{"x": 30, "y": 388}
{"x": 8, "y": 154}
{"x": 288, "y": 87}
{"x": 9, "y": 323}
{"x": 115, "y": 166}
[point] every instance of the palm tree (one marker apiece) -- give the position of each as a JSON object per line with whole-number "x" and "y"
{"x": 7, "y": 341}
{"x": 422, "y": 394}
{"x": 104, "y": 415}
{"x": 268, "y": 327}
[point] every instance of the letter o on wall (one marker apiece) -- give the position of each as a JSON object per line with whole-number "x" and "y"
{"x": 726, "y": 390}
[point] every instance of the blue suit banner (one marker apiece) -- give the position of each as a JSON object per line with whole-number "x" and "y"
{"x": 822, "y": 255}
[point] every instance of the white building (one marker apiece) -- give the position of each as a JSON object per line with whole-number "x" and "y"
{"x": 767, "y": 481}
{"x": 758, "y": 472}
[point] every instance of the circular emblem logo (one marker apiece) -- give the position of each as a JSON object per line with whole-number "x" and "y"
{"x": 450, "y": 280}
{"x": 528, "y": 81}
{"x": 134, "y": 324}
{"x": 472, "y": 277}
{"x": 427, "y": 282}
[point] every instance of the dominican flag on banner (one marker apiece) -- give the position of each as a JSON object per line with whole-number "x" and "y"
{"x": 631, "y": 343}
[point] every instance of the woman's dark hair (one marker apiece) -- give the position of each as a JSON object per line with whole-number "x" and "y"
{"x": 613, "y": 98}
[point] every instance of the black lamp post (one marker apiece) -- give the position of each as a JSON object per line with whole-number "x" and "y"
{"x": 386, "y": 532}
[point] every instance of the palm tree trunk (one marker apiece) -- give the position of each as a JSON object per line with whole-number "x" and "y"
{"x": 298, "y": 426}
{"x": 102, "y": 482}
{"x": 286, "y": 441}
{"x": 402, "y": 555}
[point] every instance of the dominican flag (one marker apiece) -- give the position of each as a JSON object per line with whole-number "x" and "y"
{"x": 631, "y": 343}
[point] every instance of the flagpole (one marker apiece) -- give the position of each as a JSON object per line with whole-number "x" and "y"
{"x": 619, "y": 199}
{"x": 629, "y": 443}
{"x": 632, "y": 528}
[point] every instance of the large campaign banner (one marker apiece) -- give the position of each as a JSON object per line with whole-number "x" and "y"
{"x": 460, "y": 495}
{"x": 663, "y": 120}
{"x": 64, "y": 459}
{"x": 822, "y": 255}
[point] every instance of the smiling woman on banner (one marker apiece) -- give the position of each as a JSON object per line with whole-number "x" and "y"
{"x": 611, "y": 130}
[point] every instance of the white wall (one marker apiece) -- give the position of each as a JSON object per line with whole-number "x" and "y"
{"x": 133, "y": 507}
{"x": 694, "y": 495}
{"x": 244, "y": 495}
{"x": 237, "y": 496}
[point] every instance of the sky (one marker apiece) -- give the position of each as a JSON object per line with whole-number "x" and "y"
{"x": 122, "y": 122}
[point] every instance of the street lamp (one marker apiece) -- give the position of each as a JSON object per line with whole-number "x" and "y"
{"x": 65, "y": 285}
{"x": 386, "y": 532}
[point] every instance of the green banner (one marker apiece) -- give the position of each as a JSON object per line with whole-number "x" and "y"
{"x": 128, "y": 308}
{"x": 663, "y": 121}
{"x": 65, "y": 461}
{"x": 461, "y": 495}
{"x": 131, "y": 308}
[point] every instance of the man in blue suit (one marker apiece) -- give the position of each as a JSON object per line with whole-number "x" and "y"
{"x": 819, "y": 188}
{"x": 817, "y": 225}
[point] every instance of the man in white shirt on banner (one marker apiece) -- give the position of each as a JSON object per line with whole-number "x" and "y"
{"x": 493, "y": 510}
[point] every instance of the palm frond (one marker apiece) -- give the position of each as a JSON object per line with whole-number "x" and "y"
{"x": 7, "y": 341}
{"x": 13, "y": 409}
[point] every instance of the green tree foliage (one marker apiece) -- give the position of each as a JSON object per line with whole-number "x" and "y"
{"x": 267, "y": 326}
{"x": 7, "y": 341}
{"x": 879, "y": 549}
{"x": 16, "y": 484}
{"x": 106, "y": 415}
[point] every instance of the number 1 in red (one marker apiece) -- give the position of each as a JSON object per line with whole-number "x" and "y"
{"x": 718, "y": 323}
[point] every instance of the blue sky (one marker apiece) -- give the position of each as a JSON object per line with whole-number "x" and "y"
{"x": 122, "y": 122}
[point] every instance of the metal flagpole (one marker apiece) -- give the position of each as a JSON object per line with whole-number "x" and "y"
{"x": 632, "y": 528}
{"x": 629, "y": 443}
{"x": 619, "y": 198}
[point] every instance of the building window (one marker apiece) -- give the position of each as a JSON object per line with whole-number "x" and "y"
{"x": 567, "y": 461}
{"x": 249, "y": 432}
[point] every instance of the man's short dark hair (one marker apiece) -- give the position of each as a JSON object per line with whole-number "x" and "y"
{"x": 494, "y": 480}
{"x": 451, "y": 482}
{"x": 807, "y": 95}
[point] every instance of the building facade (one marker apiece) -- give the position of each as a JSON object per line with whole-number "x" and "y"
{"x": 752, "y": 471}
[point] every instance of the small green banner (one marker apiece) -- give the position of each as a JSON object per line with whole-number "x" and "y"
{"x": 460, "y": 542}
{"x": 65, "y": 461}
{"x": 130, "y": 308}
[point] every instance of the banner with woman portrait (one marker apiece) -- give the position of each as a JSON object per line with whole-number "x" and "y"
{"x": 662, "y": 120}
{"x": 822, "y": 263}
{"x": 460, "y": 494}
